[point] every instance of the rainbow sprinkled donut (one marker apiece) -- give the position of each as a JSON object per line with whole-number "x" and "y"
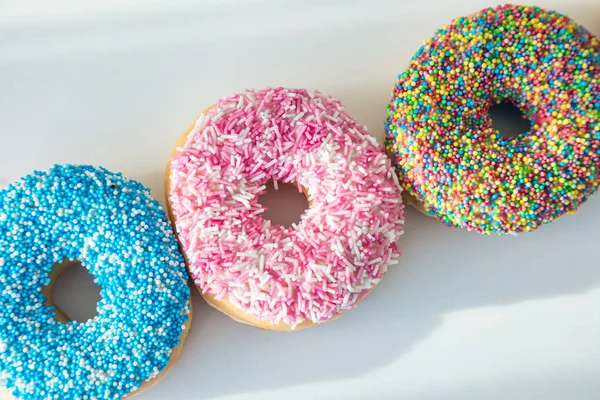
{"x": 448, "y": 156}
{"x": 267, "y": 275}
{"x": 122, "y": 236}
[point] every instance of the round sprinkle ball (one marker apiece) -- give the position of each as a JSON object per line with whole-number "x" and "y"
{"x": 450, "y": 158}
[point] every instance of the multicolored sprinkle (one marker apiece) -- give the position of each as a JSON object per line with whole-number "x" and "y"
{"x": 122, "y": 236}
{"x": 344, "y": 242}
{"x": 450, "y": 158}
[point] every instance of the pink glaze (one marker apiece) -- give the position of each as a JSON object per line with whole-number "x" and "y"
{"x": 344, "y": 242}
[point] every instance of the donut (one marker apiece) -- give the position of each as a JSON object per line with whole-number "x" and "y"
{"x": 264, "y": 274}
{"x": 439, "y": 130}
{"x": 114, "y": 228}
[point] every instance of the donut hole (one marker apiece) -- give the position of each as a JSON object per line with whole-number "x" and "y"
{"x": 73, "y": 292}
{"x": 283, "y": 206}
{"x": 508, "y": 120}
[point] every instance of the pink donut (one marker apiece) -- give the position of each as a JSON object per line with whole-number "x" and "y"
{"x": 268, "y": 275}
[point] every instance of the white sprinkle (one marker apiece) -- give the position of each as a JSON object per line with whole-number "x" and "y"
{"x": 375, "y": 261}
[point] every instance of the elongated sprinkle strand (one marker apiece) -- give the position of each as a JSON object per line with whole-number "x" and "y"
{"x": 451, "y": 159}
{"x": 344, "y": 242}
{"x": 122, "y": 236}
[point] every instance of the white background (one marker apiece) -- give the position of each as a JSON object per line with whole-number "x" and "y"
{"x": 463, "y": 316}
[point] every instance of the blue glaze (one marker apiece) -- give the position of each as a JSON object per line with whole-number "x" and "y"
{"x": 122, "y": 236}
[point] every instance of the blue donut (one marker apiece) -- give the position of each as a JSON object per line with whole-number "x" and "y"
{"x": 122, "y": 236}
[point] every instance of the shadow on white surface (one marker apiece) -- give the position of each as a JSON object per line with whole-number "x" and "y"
{"x": 439, "y": 273}
{"x": 541, "y": 385}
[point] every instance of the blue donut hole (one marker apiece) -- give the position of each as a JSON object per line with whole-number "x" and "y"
{"x": 74, "y": 292}
{"x": 508, "y": 120}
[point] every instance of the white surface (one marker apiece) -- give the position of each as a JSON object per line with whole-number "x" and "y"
{"x": 463, "y": 316}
